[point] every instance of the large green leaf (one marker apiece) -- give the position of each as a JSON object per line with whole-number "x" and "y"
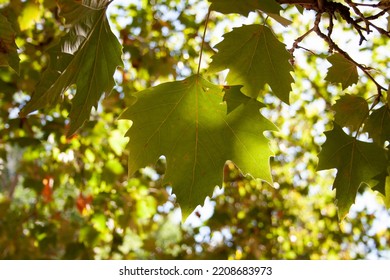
{"x": 86, "y": 57}
{"x": 356, "y": 162}
{"x": 8, "y": 49}
{"x": 244, "y": 7}
{"x": 351, "y": 111}
{"x": 342, "y": 71}
{"x": 187, "y": 122}
{"x": 254, "y": 58}
{"x": 378, "y": 125}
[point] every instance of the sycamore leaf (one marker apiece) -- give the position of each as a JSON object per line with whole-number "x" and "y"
{"x": 356, "y": 162}
{"x": 244, "y": 7}
{"x": 72, "y": 9}
{"x": 86, "y": 57}
{"x": 187, "y": 122}
{"x": 8, "y": 49}
{"x": 351, "y": 111}
{"x": 342, "y": 71}
{"x": 254, "y": 58}
{"x": 378, "y": 125}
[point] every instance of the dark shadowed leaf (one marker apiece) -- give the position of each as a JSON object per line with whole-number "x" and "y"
{"x": 8, "y": 49}
{"x": 351, "y": 111}
{"x": 356, "y": 162}
{"x": 342, "y": 71}
{"x": 378, "y": 125}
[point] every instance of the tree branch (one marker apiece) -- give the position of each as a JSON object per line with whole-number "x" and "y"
{"x": 334, "y": 46}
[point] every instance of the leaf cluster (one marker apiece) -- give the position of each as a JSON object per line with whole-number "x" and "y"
{"x": 63, "y": 172}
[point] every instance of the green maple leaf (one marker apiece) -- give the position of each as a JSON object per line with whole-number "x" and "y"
{"x": 187, "y": 122}
{"x": 382, "y": 185}
{"x": 356, "y": 162}
{"x": 8, "y": 49}
{"x": 342, "y": 71}
{"x": 244, "y": 7}
{"x": 351, "y": 111}
{"x": 86, "y": 57}
{"x": 378, "y": 125}
{"x": 254, "y": 58}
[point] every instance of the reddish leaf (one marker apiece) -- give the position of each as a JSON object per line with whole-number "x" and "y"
{"x": 47, "y": 191}
{"x": 83, "y": 202}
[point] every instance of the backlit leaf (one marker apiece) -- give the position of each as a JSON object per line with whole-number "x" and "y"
{"x": 351, "y": 111}
{"x": 378, "y": 125}
{"x": 8, "y": 49}
{"x": 356, "y": 162}
{"x": 342, "y": 71}
{"x": 387, "y": 190}
{"x": 86, "y": 57}
{"x": 254, "y": 58}
{"x": 187, "y": 122}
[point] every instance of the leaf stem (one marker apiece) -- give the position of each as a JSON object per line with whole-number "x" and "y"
{"x": 203, "y": 39}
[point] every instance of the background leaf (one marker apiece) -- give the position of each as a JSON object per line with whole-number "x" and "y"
{"x": 342, "y": 71}
{"x": 351, "y": 111}
{"x": 356, "y": 162}
{"x": 187, "y": 122}
{"x": 8, "y": 49}
{"x": 254, "y": 58}
{"x": 30, "y": 14}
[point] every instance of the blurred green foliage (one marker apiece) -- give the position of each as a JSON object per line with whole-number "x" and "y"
{"x": 71, "y": 198}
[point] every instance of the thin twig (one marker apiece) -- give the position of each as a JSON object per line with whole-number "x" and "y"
{"x": 299, "y": 40}
{"x": 203, "y": 39}
{"x": 359, "y": 13}
{"x": 373, "y": 17}
{"x": 368, "y": 20}
{"x": 330, "y": 27}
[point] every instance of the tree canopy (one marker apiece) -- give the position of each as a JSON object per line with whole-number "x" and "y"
{"x": 119, "y": 119}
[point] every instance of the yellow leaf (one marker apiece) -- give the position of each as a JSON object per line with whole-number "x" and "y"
{"x": 29, "y": 16}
